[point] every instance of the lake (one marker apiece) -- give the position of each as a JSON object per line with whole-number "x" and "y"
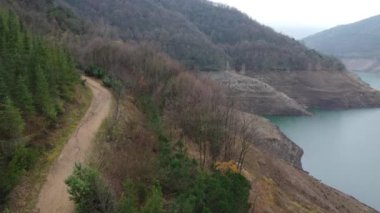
{"x": 342, "y": 148}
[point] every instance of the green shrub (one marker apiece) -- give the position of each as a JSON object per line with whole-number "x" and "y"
{"x": 178, "y": 171}
{"x": 216, "y": 192}
{"x": 107, "y": 81}
{"x": 89, "y": 192}
{"x": 154, "y": 204}
{"x": 20, "y": 161}
{"x": 11, "y": 122}
{"x": 95, "y": 71}
{"x": 135, "y": 194}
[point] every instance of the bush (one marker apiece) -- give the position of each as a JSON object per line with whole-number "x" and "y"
{"x": 89, "y": 192}
{"x": 20, "y": 161}
{"x": 178, "y": 170}
{"x": 107, "y": 81}
{"x": 95, "y": 71}
{"x": 154, "y": 204}
{"x": 135, "y": 194}
{"x": 11, "y": 122}
{"x": 216, "y": 192}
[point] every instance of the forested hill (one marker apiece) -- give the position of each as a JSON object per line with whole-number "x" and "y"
{"x": 37, "y": 79}
{"x": 203, "y": 35}
{"x": 360, "y": 39}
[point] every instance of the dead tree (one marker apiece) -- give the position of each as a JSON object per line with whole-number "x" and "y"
{"x": 247, "y": 133}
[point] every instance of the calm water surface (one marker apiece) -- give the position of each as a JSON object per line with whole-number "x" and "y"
{"x": 342, "y": 148}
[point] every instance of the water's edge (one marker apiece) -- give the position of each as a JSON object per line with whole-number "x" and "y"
{"x": 341, "y": 148}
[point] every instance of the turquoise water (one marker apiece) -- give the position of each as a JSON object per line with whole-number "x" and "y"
{"x": 342, "y": 148}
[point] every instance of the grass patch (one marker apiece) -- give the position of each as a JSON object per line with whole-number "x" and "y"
{"x": 24, "y": 197}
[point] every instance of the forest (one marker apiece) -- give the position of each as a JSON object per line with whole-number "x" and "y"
{"x": 174, "y": 181}
{"x": 203, "y": 35}
{"x": 37, "y": 78}
{"x": 141, "y": 161}
{"x": 174, "y": 141}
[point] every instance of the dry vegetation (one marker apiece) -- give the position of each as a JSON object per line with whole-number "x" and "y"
{"x": 164, "y": 114}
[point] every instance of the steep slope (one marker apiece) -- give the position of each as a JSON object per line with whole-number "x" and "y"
{"x": 323, "y": 89}
{"x": 249, "y": 44}
{"x": 357, "y": 41}
{"x": 277, "y": 186}
{"x": 255, "y": 96}
{"x": 38, "y": 82}
{"x": 204, "y": 35}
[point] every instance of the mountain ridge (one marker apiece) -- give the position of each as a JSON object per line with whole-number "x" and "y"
{"x": 356, "y": 41}
{"x": 216, "y": 34}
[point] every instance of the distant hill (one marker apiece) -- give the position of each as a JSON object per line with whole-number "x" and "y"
{"x": 359, "y": 40}
{"x": 203, "y": 35}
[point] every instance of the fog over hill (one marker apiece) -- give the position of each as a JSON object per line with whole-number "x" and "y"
{"x": 357, "y": 44}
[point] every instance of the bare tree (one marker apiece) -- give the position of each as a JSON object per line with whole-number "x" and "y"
{"x": 247, "y": 133}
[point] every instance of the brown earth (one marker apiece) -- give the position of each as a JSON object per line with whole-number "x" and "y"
{"x": 362, "y": 64}
{"x": 271, "y": 140}
{"x": 279, "y": 187}
{"x": 278, "y": 182}
{"x": 322, "y": 89}
{"x": 273, "y": 164}
{"x": 296, "y": 92}
{"x": 54, "y": 196}
{"x": 255, "y": 96}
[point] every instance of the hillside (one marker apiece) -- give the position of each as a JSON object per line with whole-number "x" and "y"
{"x": 203, "y": 35}
{"x": 176, "y": 140}
{"x": 38, "y": 84}
{"x": 206, "y": 36}
{"x": 357, "y": 41}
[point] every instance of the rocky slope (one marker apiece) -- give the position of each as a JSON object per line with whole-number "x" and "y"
{"x": 296, "y": 92}
{"x": 323, "y": 89}
{"x": 269, "y": 139}
{"x": 254, "y": 96}
{"x": 278, "y": 187}
{"x": 362, "y": 64}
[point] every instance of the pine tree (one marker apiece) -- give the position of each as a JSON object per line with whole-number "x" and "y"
{"x": 154, "y": 204}
{"x": 42, "y": 99}
{"x": 11, "y": 122}
{"x": 22, "y": 96}
{"x": 3, "y": 89}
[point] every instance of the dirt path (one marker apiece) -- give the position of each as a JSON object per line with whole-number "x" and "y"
{"x": 54, "y": 196}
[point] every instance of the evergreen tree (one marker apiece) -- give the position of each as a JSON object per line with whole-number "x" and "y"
{"x": 3, "y": 90}
{"x": 154, "y": 204}
{"x": 23, "y": 97}
{"x": 36, "y": 77}
{"x": 42, "y": 97}
{"x": 11, "y": 122}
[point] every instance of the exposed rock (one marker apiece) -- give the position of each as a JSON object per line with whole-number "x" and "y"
{"x": 362, "y": 64}
{"x": 255, "y": 96}
{"x": 279, "y": 187}
{"x": 271, "y": 140}
{"x": 323, "y": 89}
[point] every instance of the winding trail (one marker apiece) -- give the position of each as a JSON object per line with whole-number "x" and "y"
{"x": 53, "y": 196}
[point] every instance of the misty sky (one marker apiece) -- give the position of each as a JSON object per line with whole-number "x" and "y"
{"x": 301, "y": 17}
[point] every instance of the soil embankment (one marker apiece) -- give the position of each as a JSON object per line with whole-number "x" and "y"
{"x": 322, "y": 89}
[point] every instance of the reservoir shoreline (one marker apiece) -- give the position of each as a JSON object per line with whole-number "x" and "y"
{"x": 341, "y": 146}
